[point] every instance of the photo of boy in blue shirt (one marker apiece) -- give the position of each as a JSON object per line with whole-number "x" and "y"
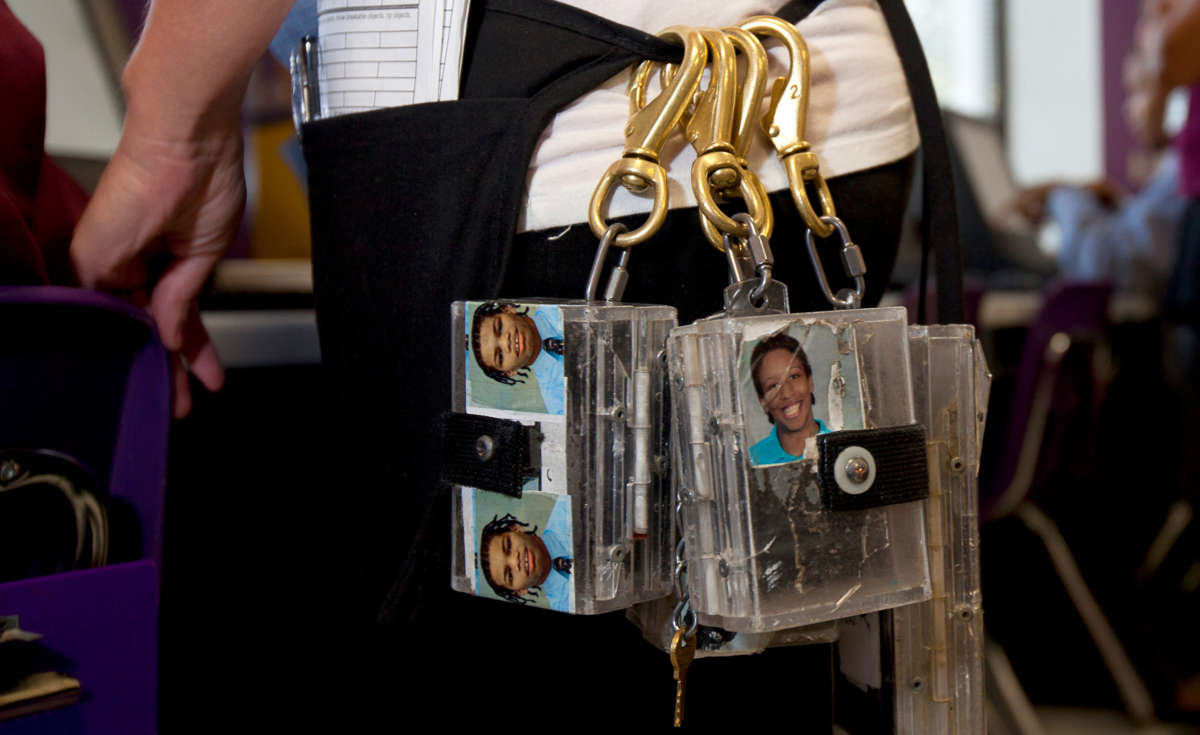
{"x": 511, "y": 342}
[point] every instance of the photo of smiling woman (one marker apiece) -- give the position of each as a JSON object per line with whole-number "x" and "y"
{"x": 783, "y": 382}
{"x": 805, "y": 381}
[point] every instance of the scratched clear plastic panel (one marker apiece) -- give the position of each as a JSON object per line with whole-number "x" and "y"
{"x": 939, "y": 643}
{"x": 762, "y": 553}
{"x": 601, "y": 456}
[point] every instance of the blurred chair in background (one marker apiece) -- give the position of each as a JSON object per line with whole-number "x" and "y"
{"x": 1047, "y": 442}
{"x": 94, "y": 393}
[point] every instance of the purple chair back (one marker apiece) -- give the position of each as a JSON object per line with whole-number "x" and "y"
{"x": 85, "y": 374}
{"x": 1078, "y": 309}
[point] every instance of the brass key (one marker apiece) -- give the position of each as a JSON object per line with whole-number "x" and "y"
{"x": 683, "y": 650}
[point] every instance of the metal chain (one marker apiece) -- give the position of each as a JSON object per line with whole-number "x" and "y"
{"x": 683, "y": 617}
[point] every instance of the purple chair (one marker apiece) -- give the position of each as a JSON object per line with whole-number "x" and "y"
{"x": 85, "y": 375}
{"x": 1072, "y": 315}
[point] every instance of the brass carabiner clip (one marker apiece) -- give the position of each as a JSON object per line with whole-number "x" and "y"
{"x": 784, "y": 123}
{"x": 715, "y": 223}
{"x": 650, "y": 124}
{"x": 750, "y": 95}
{"x": 710, "y": 128}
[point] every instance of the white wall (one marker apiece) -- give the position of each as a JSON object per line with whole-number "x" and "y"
{"x": 960, "y": 47}
{"x": 1055, "y": 113}
{"x": 82, "y": 109}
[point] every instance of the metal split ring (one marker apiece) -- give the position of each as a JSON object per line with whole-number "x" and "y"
{"x": 852, "y": 262}
{"x": 616, "y": 285}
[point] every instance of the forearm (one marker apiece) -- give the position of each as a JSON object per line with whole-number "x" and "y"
{"x": 1083, "y": 225}
{"x": 1181, "y": 39}
{"x": 186, "y": 77}
{"x": 1129, "y": 245}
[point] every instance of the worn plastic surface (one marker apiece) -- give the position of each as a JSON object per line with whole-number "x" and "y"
{"x": 602, "y": 459}
{"x": 762, "y": 553}
{"x": 939, "y": 644}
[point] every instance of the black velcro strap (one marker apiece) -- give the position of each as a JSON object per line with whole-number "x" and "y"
{"x": 891, "y": 465}
{"x": 487, "y": 453}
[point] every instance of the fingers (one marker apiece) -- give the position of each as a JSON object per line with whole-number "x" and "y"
{"x": 173, "y": 306}
{"x": 200, "y": 353}
{"x": 182, "y": 404}
{"x": 1030, "y": 203}
{"x": 1106, "y": 191}
{"x": 156, "y": 204}
{"x": 197, "y": 356}
{"x": 174, "y": 296}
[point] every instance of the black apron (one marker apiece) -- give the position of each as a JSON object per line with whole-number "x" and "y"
{"x": 414, "y": 207}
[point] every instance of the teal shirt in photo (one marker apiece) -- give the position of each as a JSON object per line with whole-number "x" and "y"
{"x": 770, "y": 451}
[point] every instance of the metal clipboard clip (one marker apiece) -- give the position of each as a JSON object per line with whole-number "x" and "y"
{"x": 306, "y": 97}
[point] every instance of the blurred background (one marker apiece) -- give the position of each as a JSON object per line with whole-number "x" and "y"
{"x": 1090, "y": 563}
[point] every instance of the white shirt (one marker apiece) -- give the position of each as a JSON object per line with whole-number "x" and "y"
{"x": 859, "y": 116}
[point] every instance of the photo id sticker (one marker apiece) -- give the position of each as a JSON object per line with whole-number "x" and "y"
{"x": 798, "y": 382}
{"x": 515, "y": 357}
{"x": 522, "y": 547}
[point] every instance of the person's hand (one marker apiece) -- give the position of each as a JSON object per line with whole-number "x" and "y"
{"x": 1161, "y": 58}
{"x": 163, "y": 214}
{"x": 1145, "y": 99}
{"x": 1030, "y": 202}
{"x": 1106, "y": 191}
{"x": 170, "y": 202}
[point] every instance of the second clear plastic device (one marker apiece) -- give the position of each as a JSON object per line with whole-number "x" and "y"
{"x": 764, "y": 551}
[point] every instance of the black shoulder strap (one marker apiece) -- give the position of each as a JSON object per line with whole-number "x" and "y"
{"x": 797, "y": 10}
{"x": 939, "y": 223}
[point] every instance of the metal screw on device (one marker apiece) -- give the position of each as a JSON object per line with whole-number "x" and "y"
{"x": 485, "y": 447}
{"x": 857, "y": 470}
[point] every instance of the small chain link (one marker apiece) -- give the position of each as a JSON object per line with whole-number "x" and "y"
{"x": 683, "y": 616}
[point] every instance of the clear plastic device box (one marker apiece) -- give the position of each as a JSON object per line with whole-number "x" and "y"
{"x": 654, "y": 619}
{"x": 939, "y": 644}
{"x": 763, "y": 555}
{"x": 601, "y": 486}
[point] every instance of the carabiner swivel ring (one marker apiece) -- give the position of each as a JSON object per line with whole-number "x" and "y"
{"x": 650, "y": 124}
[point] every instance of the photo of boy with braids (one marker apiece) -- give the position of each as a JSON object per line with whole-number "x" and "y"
{"x": 525, "y": 565}
{"x": 511, "y": 344}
